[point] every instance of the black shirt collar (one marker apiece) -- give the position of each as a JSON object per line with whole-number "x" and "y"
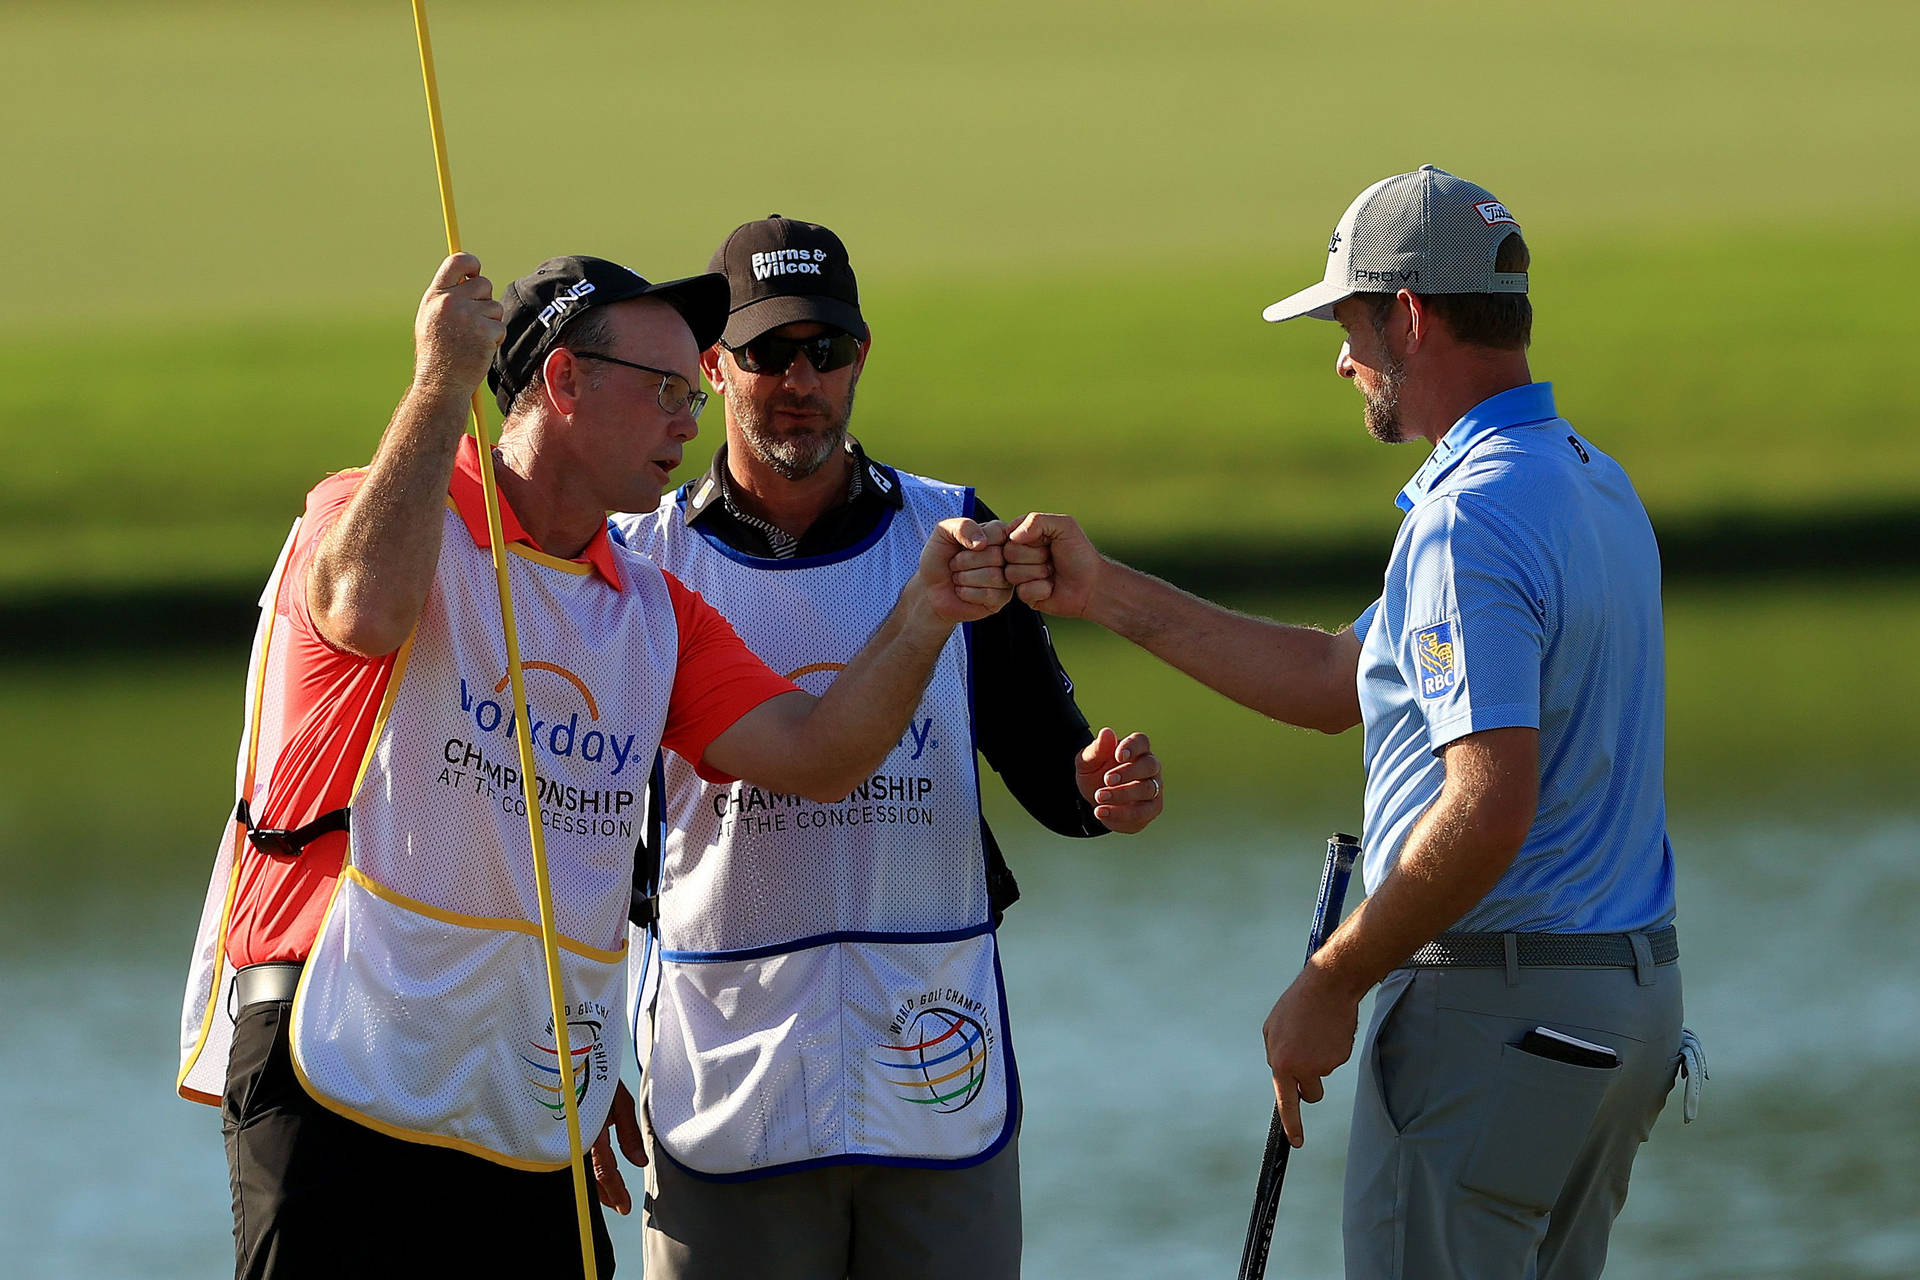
{"x": 880, "y": 487}
{"x": 837, "y": 529}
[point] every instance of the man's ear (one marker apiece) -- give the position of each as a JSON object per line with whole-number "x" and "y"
{"x": 562, "y": 375}
{"x": 1419, "y": 320}
{"x": 866, "y": 345}
{"x": 712, "y": 363}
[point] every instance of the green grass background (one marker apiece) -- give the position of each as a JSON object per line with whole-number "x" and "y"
{"x": 1066, "y": 217}
{"x": 1762, "y": 718}
{"x": 218, "y": 217}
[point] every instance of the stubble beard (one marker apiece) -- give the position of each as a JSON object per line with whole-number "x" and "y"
{"x": 1382, "y": 411}
{"x": 795, "y": 456}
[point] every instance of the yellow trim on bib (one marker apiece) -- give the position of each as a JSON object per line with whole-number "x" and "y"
{"x": 358, "y": 1117}
{"x": 496, "y": 923}
{"x": 529, "y": 553}
{"x": 552, "y": 562}
{"x": 213, "y": 996}
{"x": 234, "y": 833}
{"x": 380, "y": 720}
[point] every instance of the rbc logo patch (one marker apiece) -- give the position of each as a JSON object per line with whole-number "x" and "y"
{"x": 1434, "y": 655}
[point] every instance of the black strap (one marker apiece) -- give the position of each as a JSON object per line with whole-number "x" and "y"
{"x": 1002, "y": 889}
{"x": 644, "y": 905}
{"x": 289, "y": 843}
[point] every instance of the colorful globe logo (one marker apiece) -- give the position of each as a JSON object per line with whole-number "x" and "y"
{"x": 941, "y": 1061}
{"x": 589, "y": 1060}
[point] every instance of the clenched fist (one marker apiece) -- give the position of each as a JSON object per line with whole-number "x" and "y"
{"x": 963, "y": 570}
{"x": 459, "y": 326}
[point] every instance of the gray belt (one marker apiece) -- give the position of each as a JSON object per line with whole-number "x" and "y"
{"x": 261, "y": 983}
{"x": 1639, "y": 951}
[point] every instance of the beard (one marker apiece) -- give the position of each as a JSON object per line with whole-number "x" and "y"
{"x": 797, "y": 454}
{"x": 1383, "y": 404}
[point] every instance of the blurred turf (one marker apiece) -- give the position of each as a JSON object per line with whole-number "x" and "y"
{"x": 198, "y": 159}
{"x": 1155, "y": 405}
{"x": 1066, "y": 215}
{"x": 122, "y": 768}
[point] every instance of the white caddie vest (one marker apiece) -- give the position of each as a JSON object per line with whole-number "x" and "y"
{"x": 827, "y": 984}
{"x": 423, "y": 1011}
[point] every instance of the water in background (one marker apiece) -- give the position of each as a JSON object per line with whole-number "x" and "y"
{"x": 1138, "y": 982}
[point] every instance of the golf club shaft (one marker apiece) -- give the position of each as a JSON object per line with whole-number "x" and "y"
{"x": 1342, "y": 850}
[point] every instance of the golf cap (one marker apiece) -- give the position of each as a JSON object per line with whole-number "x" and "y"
{"x": 780, "y": 271}
{"x": 541, "y": 304}
{"x": 1425, "y": 231}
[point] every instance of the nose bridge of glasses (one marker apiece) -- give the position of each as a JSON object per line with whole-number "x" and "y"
{"x": 800, "y": 367}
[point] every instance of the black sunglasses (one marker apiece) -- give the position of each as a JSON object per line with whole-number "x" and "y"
{"x": 825, "y": 352}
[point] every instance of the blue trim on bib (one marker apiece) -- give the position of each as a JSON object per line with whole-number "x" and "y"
{"x": 636, "y": 996}
{"x": 825, "y": 1162}
{"x": 636, "y": 1001}
{"x": 867, "y": 543}
{"x": 1012, "y": 1086}
{"x": 822, "y": 939}
{"x": 1015, "y": 1105}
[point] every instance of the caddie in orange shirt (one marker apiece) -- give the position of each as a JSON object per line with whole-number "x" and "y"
{"x": 368, "y": 1000}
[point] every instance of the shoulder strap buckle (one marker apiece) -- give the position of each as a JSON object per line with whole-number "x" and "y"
{"x": 289, "y": 843}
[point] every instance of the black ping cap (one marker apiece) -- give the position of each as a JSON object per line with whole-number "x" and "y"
{"x": 780, "y": 271}
{"x": 541, "y": 304}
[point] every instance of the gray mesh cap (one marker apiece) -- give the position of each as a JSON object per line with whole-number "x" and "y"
{"x": 1426, "y": 231}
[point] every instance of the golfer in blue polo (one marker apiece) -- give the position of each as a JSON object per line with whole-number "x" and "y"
{"x": 1519, "y": 918}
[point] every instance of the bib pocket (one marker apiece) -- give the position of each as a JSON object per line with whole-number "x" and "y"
{"x": 880, "y": 1051}
{"x": 1536, "y": 1122}
{"x": 437, "y": 1028}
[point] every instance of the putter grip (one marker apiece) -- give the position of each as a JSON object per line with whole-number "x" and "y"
{"x": 1342, "y": 852}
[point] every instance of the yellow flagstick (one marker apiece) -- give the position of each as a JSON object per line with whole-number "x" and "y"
{"x": 549, "y": 932}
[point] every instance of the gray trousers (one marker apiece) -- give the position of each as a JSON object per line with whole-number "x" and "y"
{"x": 858, "y": 1221}
{"x": 1472, "y": 1160}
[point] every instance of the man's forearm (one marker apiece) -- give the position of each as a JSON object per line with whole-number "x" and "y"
{"x": 1454, "y": 856}
{"x": 1297, "y": 675}
{"x": 865, "y": 711}
{"x": 822, "y": 747}
{"x": 372, "y": 571}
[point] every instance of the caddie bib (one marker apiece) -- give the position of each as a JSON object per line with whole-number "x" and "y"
{"x": 423, "y": 1009}
{"x": 206, "y": 1034}
{"x": 827, "y": 984}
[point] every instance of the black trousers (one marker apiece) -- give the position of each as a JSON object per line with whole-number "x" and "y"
{"x": 315, "y": 1194}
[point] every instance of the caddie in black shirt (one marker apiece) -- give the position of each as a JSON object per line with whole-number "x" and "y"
{"x": 828, "y": 1079}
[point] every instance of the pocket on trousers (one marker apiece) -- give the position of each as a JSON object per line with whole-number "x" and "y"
{"x": 1542, "y": 1113}
{"x": 258, "y": 1071}
{"x": 1396, "y": 1055}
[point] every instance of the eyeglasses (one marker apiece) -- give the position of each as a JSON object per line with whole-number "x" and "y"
{"x": 825, "y": 352}
{"x": 675, "y": 393}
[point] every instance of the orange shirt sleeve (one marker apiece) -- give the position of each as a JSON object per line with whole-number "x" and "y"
{"x": 717, "y": 681}
{"x": 329, "y": 699}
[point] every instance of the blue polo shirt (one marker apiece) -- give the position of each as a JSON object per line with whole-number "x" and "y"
{"x": 1524, "y": 590}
